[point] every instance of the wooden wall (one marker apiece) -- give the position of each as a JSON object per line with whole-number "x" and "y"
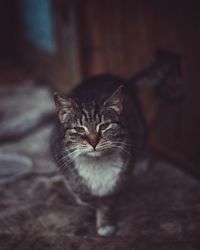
{"x": 9, "y": 31}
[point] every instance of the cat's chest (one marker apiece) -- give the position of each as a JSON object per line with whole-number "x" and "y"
{"x": 101, "y": 176}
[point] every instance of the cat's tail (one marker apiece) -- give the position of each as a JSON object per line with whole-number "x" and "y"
{"x": 164, "y": 76}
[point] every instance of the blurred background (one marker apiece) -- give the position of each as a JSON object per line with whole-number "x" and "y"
{"x": 58, "y": 43}
{"x": 52, "y": 45}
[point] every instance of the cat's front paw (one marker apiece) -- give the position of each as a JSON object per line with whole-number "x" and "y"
{"x": 106, "y": 230}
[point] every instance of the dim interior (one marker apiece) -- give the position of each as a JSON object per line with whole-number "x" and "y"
{"x": 51, "y": 46}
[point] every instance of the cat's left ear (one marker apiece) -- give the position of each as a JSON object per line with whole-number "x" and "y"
{"x": 64, "y": 106}
{"x": 115, "y": 101}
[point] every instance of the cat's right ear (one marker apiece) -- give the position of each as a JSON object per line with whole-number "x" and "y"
{"x": 64, "y": 106}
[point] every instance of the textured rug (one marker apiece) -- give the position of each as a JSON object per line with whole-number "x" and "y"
{"x": 163, "y": 212}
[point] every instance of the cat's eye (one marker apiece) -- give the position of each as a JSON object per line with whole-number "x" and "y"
{"x": 104, "y": 126}
{"x": 80, "y": 130}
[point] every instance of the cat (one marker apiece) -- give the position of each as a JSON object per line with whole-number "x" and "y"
{"x": 100, "y": 131}
{"x": 97, "y": 141}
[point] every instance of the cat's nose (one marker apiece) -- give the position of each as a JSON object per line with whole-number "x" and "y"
{"x": 93, "y": 140}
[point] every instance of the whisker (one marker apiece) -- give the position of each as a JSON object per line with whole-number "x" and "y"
{"x": 122, "y": 145}
{"x": 65, "y": 163}
{"x": 121, "y": 148}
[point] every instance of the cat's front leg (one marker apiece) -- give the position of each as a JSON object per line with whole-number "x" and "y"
{"x": 79, "y": 201}
{"x": 104, "y": 221}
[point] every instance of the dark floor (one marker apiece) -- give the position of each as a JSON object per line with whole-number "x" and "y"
{"x": 163, "y": 212}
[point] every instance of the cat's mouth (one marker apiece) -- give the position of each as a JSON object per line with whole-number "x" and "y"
{"x": 93, "y": 153}
{"x": 98, "y": 153}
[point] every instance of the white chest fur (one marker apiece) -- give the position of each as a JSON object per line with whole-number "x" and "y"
{"x": 100, "y": 174}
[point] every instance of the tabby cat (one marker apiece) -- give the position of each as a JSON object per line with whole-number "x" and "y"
{"x": 97, "y": 141}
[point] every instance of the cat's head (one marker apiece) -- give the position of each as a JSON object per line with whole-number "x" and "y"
{"x": 92, "y": 128}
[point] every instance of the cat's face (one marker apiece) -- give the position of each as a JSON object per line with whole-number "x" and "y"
{"x": 92, "y": 129}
